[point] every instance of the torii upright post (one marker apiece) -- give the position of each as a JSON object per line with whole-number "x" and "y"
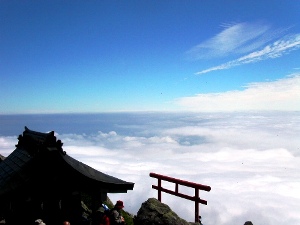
{"x": 197, "y": 205}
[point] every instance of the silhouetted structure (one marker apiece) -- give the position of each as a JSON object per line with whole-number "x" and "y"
{"x": 39, "y": 180}
{"x": 178, "y": 182}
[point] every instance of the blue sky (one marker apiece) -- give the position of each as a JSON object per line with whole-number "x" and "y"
{"x": 103, "y": 56}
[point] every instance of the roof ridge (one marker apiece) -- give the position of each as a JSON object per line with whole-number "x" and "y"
{"x": 34, "y": 142}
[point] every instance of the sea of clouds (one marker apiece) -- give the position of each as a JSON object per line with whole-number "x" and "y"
{"x": 250, "y": 160}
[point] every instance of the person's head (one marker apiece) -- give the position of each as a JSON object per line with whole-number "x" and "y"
{"x": 66, "y": 223}
{"x": 119, "y": 205}
{"x": 248, "y": 223}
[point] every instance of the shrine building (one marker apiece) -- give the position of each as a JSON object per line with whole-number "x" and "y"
{"x": 39, "y": 180}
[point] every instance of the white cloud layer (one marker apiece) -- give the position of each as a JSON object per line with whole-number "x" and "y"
{"x": 251, "y": 161}
{"x": 282, "y": 94}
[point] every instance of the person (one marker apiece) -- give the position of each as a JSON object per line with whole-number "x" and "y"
{"x": 116, "y": 217}
{"x": 66, "y": 223}
{"x": 105, "y": 219}
{"x": 101, "y": 216}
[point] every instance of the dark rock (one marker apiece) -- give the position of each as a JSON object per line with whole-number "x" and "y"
{"x": 153, "y": 212}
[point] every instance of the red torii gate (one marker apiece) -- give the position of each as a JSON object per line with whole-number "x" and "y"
{"x": 195, "y": 198}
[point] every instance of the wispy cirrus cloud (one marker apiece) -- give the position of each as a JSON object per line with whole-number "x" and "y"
{"x": 238, "y": 38}
{"x": 254, "y": 41}
{"x": 274, "y": 50}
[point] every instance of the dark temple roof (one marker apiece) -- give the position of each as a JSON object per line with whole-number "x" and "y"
{"x": 39, "y": 165}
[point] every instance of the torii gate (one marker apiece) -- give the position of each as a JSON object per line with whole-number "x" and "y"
{"x": 196, "y": 186}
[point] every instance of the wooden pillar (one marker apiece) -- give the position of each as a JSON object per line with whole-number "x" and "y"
{"x": 159, "y": 189}
{"x": 196, "y": 205}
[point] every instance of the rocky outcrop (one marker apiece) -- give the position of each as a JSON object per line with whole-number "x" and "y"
{"x": 153, "y": 212}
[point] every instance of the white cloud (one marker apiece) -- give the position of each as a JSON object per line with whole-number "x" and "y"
{"x": 253, "y": 40}
{"x": 235, "y": 39}
{"x": 7, "y": 144}
{"x": 274, "y": 50}
{"x": 251, "y": 161}
{"x": 282, "y": 94}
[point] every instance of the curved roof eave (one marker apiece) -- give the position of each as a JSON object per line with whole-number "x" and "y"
{"x": 91, "y": 173}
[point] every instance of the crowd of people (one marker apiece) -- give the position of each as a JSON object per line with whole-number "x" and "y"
{"x": 102, "y": 216}
{"x": 106, "y": 216}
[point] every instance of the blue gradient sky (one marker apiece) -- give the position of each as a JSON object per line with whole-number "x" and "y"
{"x": 103, "y": 56}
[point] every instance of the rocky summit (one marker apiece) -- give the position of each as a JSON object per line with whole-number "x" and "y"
{"x": 153, "y": 212}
